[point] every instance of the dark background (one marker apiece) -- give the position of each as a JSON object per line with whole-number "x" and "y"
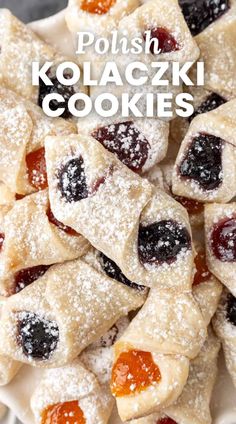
{"x": 30, "y": 10}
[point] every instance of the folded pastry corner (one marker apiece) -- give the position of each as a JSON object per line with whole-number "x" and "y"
{"x": 207, "y": 289}
{"x": 224, "y": 324}
{"x": 3, "y": 410}
{"x": 199, "y": 387}
{"x": 166, "y": 324}
{"x": 7, "y": 198}
{"x": 8, "y": 367}
{"x": 214, "y": 28}
{"x": 71, "y": 391}
{"x": 161, "y": 176}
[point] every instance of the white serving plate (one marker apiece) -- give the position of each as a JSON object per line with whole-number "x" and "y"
{"x": 17, "y": 394}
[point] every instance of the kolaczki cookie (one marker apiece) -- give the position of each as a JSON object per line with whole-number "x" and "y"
{"x": 118, "y": 234}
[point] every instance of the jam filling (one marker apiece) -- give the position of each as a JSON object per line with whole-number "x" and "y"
{"x": 166, "y": 420}
{"x": 2, "y": 238}
{"x": 72, "y": 180}
{"x": 193, "y": 206}
{"x": 63, "y": 413}
{"x": 202, "y": 273}
{"x": 98, "y": 7}
{"x": 166, "y": 41}
{"x": 58, "y": 88}
{"x": 203, "y": 161}
{"x": 19, "y": 196}
{"x": 162, "y": 241}
{"x": 213, "y": 101}
{"x": 133, "y": 372}
{"x": 100, "y": 181}
{"x": 126, "y": 142}
{"x": 27, "y": 276}
{"x": 36, "y": 169}
{"x": 110, "y": 337}
{"x": 223, "y": 240}
{"x": 114, "y": 272}
{"x": 201, "y": 13}
{"x": 37, "y": 336}
{"x": 65, "y": 228}
{"x": 231, "y": 309}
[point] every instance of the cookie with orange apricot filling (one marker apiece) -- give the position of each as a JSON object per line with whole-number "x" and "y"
{"x": 23, "y": 130}
{"x": 34, "y": 240}
{"x": 158, "y": 384}
{"x": 167, "y": 332}
{"x": 205, "y": 168}
{"x": 197, "y": 391}
{"x": 71, "y": 394}
{"x": 103, "y": 16}
{"x": 220, "y": 233}
{"x": 49, "y": 322}
{"x": 224, "y": 324}
{"x": 94, "y": 193}
{"x": 16, "y": 69}
{"x": 83, "y": 393}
